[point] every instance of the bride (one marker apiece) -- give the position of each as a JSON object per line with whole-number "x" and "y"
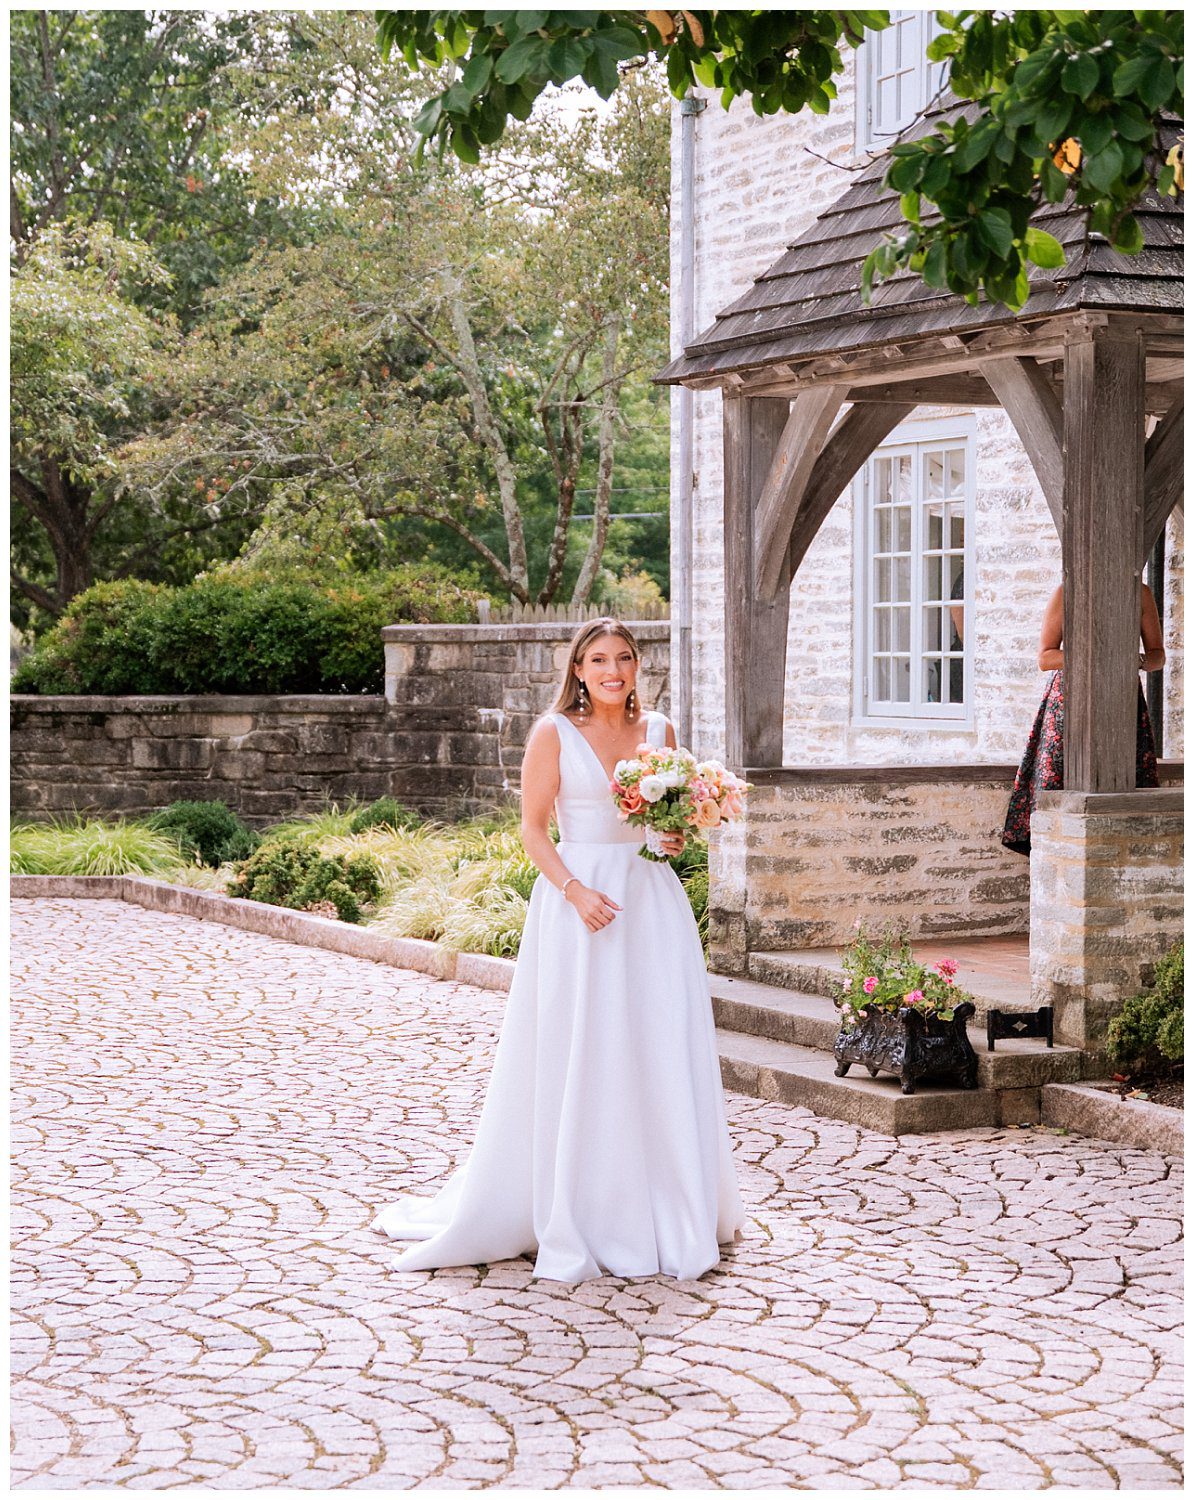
{"x": 602, "y": 1145}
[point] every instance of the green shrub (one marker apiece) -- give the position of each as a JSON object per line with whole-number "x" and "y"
{"x": 387, "y": 812}
{"x": 208, "y": 831}
{"x": 1148, "y": 1033}
{"x": 239, "y": 632}
{"x": 103, "y": 643}
{"x": 289, "y": 872}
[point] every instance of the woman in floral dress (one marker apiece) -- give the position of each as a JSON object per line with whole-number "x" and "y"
{"x": 1041, "y": 768}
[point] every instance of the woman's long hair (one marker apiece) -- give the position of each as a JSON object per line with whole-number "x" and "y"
{"x": 569, "y": 698}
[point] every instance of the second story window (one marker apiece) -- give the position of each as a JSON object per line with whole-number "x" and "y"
{"x": 895, "y": 79}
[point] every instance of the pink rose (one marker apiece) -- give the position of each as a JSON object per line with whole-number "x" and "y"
{"x": 632, "y": 800}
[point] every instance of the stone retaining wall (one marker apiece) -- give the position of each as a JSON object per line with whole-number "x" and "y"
{"x": 818, "y": 849}
{"x": 446, "y": 738}
{"x": 1107, "y": 901}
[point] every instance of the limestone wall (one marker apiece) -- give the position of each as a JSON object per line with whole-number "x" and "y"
{"x": 818, "y": 850}
{"x": 1107, "y": 901}
{"x": 447, "y": 736}
{"x": 759, "y": 184}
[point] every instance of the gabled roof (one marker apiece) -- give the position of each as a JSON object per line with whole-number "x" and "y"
{"x": 809, "y": 303}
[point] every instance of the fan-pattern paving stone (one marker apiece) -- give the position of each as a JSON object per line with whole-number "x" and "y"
{"x": 206, "y": 1120}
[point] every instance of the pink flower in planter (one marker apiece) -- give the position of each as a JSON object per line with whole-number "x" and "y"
{"x": 947, "y": 968}
{"x": 870, "y": 984}
{"x": 914, "y": 997}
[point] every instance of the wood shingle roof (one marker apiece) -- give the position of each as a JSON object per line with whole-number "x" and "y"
{"x": 809, "y": 303}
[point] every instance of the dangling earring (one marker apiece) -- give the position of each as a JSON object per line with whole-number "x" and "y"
{"x": 582, "y": 696}
{"x": 630, "y": 704}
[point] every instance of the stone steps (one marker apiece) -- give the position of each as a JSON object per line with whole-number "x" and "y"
{"x": 791, "y": 1074}
{"x": 818, "y": 972}
{"x": 776, "y": 1042}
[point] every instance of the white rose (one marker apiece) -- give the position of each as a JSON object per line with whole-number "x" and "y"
{"x": 670, "y": 778}
{"x": 652, "y": 788}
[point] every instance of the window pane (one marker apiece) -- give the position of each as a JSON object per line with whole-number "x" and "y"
{"x": 957, "y": 581}
{"x": 882, "y": 581}
{"x": 904, "y": 477}
{"x": 932, "y": 629}
{"x": 934, "y": 532}
{"x": 903, "y": 628}
{"x": 957, "y": 471}
{"x": 903, "y": 528}
{"x": 883, "y": 529}
{"x": 932, "y": 577}
{"x": 957, "y": 528}
{"x": 882, "y": 630}
{"x": 901, "y": 679}
{"x": 956, "y": 678}
{"x": 934, "y": 476}
{"x": 882, "y": 481}
{"x": 902, "y": 578}
{"x": 932, "y": 670}
{"x": 882, "y": 679}
{"x": 956, "y": 629}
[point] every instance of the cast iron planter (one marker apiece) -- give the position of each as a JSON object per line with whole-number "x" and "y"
{"x": 910, "y": 1044}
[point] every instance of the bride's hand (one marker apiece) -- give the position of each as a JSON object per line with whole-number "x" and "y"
{"x": 673, "y": 842}
{"x": 594, "y": 906}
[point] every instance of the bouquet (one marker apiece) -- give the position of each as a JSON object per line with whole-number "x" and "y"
{"x": 664, "y": 790}
{"x": 882, "y": 977}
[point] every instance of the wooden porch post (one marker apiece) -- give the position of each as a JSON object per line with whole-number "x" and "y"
{"x": 756, "y": 630}
{"x": 1101, "y": 548}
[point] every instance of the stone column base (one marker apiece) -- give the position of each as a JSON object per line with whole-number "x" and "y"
{"x": 1106, "y": 902}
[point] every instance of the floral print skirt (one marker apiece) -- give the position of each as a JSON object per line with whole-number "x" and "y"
{"x": 1041, "y": 768}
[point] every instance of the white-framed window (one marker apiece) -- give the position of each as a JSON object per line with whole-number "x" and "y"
{"x": 895, "y": 78}
{"x": 914, "y": 506}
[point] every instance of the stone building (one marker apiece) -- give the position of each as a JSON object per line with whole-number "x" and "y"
{"x": 881, "y": 700}
{"x": 759, "y": 182}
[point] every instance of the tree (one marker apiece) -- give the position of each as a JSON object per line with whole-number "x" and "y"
{"x": 1068, "y": 103}
{"x": 127, "y": 127}
{"x": 80, "y": 350}
{"x": 453, "y": 346}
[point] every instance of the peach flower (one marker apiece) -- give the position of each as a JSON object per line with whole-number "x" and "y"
{"x": 708, "y": 814}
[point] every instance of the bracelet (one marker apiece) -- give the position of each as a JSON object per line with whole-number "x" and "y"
{"x": 567, "y": 883}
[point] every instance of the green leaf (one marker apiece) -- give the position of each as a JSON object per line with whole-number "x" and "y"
{"x": 934, "y": 267}
{"x": 465, "y": 144}
{"x": 977, "y": 144}
{"x": 567, "y": 57}
{"x": 995, "y": 229}
{"x": 1128, "y": 236}
{"x": 1103, "y": 169}
{"x": 428, "y": 117}
{"x": 905, "y": 173}
{"x": 1080, "y": 75}
{"x": 910, "y": 207}
{"x": 477, "y": 71}
{"x": 1094, "y": 133}
{"x": 1043, "y": 249}
{"x": 1128, "y": 77}
{"x": 1157, "y": 86}
{"x": 522, "y": 57}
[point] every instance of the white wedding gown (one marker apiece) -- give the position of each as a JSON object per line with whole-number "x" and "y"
{"x": 602, "y": 1145}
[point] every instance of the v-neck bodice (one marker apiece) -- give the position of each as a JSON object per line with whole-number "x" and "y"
{"x": 585, "y": 811}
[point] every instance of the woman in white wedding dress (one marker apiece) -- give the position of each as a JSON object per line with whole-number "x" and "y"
{"x": 602, "y": 1145}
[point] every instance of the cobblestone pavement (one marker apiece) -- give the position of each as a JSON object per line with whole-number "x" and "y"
{"x": 206, "y": 1120}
